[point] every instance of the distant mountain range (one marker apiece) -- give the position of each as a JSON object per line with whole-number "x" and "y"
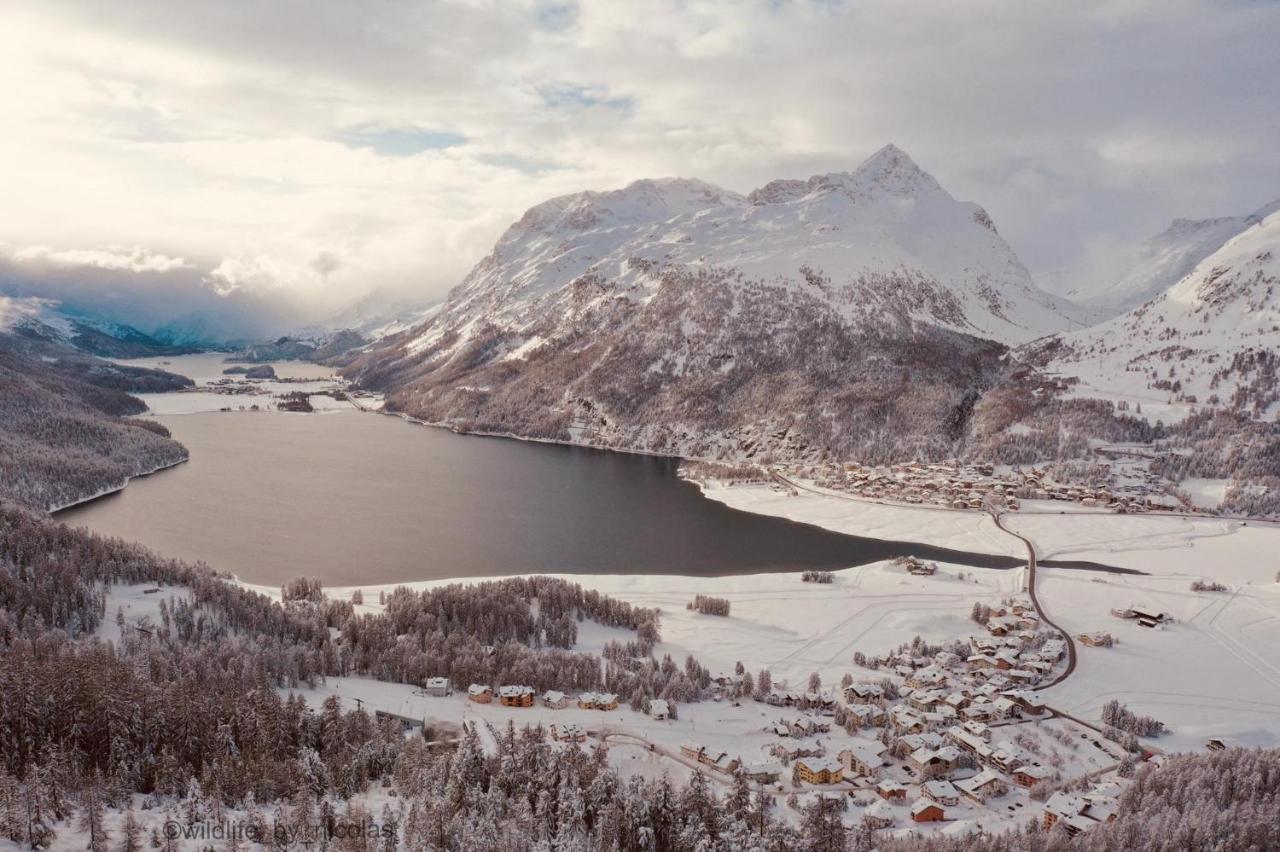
{"x": 1212, "y": 337}
{"x": 1166, "y": 259}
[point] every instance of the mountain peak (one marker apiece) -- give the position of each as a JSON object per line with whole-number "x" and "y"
{"x": 892, "y": 168}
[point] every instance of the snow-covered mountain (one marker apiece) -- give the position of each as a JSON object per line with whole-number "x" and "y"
{"x": 883, "y": 239}
{"x": 669, "y": 312}
{"x": 1166, "y": 259}
{"x": 1212, "y": 338}
{"x": 46, "y": 319}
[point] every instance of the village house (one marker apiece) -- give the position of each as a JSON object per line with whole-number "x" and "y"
{"x": 1031, "y": 775}
{"x": 892, "y": 791}
{"x": 598, "y": 701}
{"x": 868, "y": 715}
{"x": 659, "y": 709}
{"x": 1007, "y": 756}
{"x": 515, "y": 696}
{"x": 794, "y": 750}
{"x": 863, "y": 758}
{"x": 863, "y": 693}
{"x": 480, "y": 693}
{"x": 438, "y": 687}
{"x": 940, "y": 791}
{"x": 692, "y": 750}
{"x": 555, "y": 700}
{"x": 1073, "y": 812}
{"x": 933, "y": 762}
{"x": 761, "y": 773}
{"x": 923, "y": 810}
{"x": 818, "y": 771}
{"x": 568, "y": 733}
{"x": 983, "y": 786}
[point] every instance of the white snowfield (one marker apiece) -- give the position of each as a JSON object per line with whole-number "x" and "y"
{"x": 1213, "y": 672}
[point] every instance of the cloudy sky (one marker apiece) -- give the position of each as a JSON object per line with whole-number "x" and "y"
{"x": 303, "y": 153}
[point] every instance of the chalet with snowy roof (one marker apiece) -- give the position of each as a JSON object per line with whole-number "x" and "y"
{"x": 892, "y": 791}
{"x": 555, "y": 700}
{"x": 1031, "y": 774}
{"x": 981, "y": 711}
{"x": 568, "y": 732}
{"x": 761, "y": 773}
{"x": 982, "y": 787}
{"x": 926, "y": 699}
{"x": 1006, "y": 756}
{"x": 928, "y": 676}
{"x": 923, "y": 740}
{"x": 798, "y": 748}
{"x": 980, "y": 661}
{"x": 906, "y": 720}
{"x": 868, "y": 715}
{"x": 659, "y": 708}
{"x": 723, "y": 763}
{"x": 437, "y": 686}
{"x": 863, "y": 758}
{"x": 968, "y": 742}
{"x": 935, "y": 761}
{"x": 924, "y": 810}
{"x": 863, "y": 693}
{"x": 1095, "y": 640}
{"x": 819, "y": 771}
{"x": 598, "y": 701}
{"x": 940, "y": 791}
{"x": 692, "y": 750}
{"x": 515, "y": 696}
{"x": 1053, "y": 649}
{"x": 480, "y": 693}
{"x": 1026, "y": 701}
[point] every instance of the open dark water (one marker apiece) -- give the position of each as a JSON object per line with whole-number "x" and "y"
{"x": 353, "y": 497}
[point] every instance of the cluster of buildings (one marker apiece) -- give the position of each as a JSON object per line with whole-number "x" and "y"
{"x": 523, "y": 696}
{"x": 951, "y": 485}
{"x": 976, "y": 486}
{"x": 1080, "y": 812}
{"x": 720, "y": 761}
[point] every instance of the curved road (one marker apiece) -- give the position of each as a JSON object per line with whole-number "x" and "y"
{"x": 1031, "y": 569}
{"x": 1035, "y": 602}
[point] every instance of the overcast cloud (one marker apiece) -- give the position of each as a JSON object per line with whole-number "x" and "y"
{"x": 305, "y": 153}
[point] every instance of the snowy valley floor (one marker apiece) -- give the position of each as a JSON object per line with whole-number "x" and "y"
{"x": 1211, "y": 672}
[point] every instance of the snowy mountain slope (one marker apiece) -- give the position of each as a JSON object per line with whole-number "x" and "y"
{"x": 675, "y": 316}
{"x": 883, "y": 238}
{"x": 1213, "y": 338}
{"x": 1167, "y": 258}
{"x": 45, "y": 318}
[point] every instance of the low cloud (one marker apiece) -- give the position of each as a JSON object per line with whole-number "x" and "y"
{"x": 127, "y": 259}
{"x": 245, "y": 140}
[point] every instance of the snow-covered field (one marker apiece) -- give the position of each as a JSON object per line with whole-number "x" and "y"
{"x": 778, "y": 622}
{"x": 1213, "y": 672}
{"x": 971, "y": 531}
